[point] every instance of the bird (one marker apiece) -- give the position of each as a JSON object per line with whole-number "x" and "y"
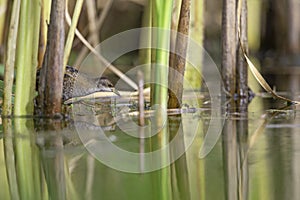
{"x": 78, "y": 84}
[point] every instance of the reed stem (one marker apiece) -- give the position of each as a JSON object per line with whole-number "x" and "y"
{"x": 27, "y": 47}
{"x": 72, "y": 30}
{"x": 10, "y": 58}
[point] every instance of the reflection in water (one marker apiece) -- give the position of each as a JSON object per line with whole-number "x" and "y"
{"x": 10, "y": 159}
{"x": 22, "y": 162}
{"x": 257, "y": 157}
{"x": 179, "y": 169}
{"x": 242, "y": 137}
{"x": 235, "y": 140}
{"x": 52, "y": 158}
{"x": 295, "y": 156}
{"x": 281, "y": 181}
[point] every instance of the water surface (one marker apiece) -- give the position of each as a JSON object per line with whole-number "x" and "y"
{"x": 255, "y": 157}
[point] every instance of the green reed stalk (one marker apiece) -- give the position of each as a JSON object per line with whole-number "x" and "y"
{"x": 72, "y": 30}
{"x": 7, "y": 100}
{"x": 3, "y": 7}
{"x": 162, "y": 11}
{"x": 26, "y": 62}
{"x": 10, "y": 58}
{"x": 27, "y": 46}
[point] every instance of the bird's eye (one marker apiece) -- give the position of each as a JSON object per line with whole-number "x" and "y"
{"x": 103, "y": 81}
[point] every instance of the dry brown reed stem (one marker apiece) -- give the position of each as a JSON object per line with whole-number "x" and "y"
{"x": 229, "y": 46}
{"x": 177, "y": 67}
{"x": 53, "y": 62}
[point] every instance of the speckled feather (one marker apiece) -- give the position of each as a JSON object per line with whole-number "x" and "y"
{"x": 80, "y": 84}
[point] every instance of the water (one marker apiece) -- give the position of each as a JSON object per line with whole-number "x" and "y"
{"x": 256, "y": 157}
